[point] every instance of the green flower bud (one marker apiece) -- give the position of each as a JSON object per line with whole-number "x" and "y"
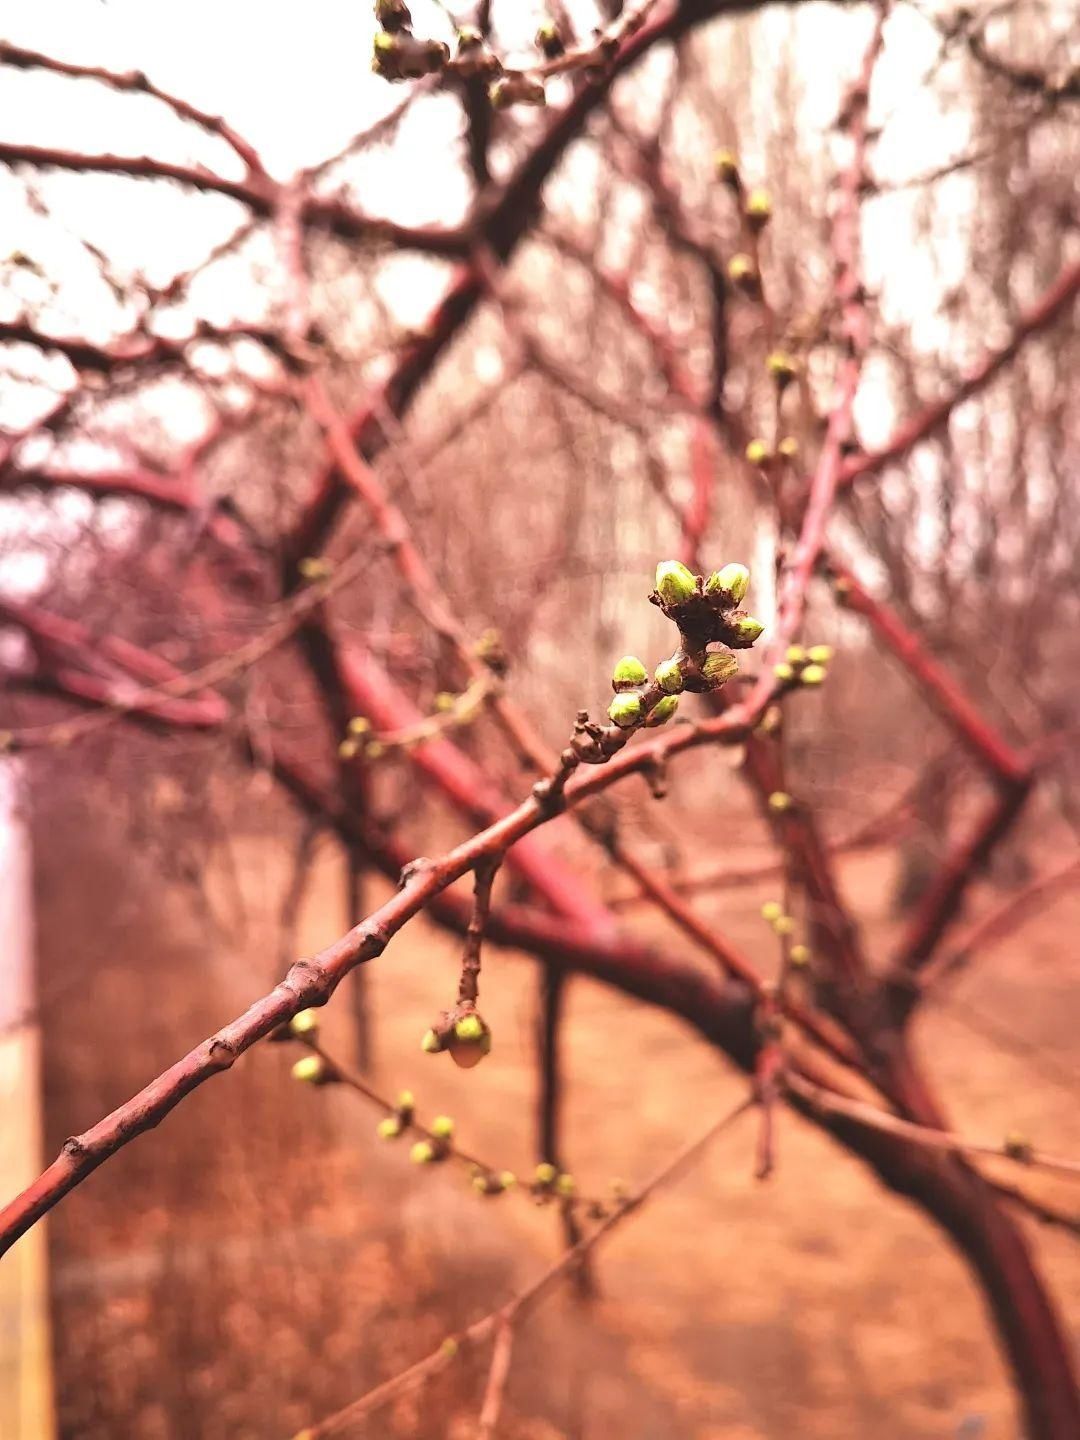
{"x": 1018, "y": 1147}
{"x": 406, "y": 1100}
{"x": 719, "y": 668}
{"x": 449, "y": 1347}
{"x": 565, "y": 1185}
{"x": 662, "y": 711}
{"x": 545, "y": 1173}
{"x": 675, "y": 584}
{"x": 668, "y": 675}
{"x": 789, "y": 447}
{"x": 422, "y": 1153}
{"x": 819, "y": 654}
{"x": 470, "y": 1041}
{"x": 310, "y": 1070}
{"x": 625, "y": 711}
{"x": 783, "y": 925}
{"x": 304, "y": 1022}
{"x": 799, "y": 955}
{"x": 782, "y": 367}
{"x": 507, "y": 1179}
{"x": 747, "y": 630}
{"x": 431, "y": 1044}
{"x": 784, "y": 671}
{"x": 627, "y": 673}
{"x": 726, "y": 166}
{"x": 389, "y": 1129}
{"x": 779, "y": 801}
{"x": 757, "y": 452}
{"x": 469, "y": 1027}
{"x": 729, "y": 584}
{"x": 358, "y": 725}
{"x": 758, "y": 208}
{"x": 795, "y": 654}
{"x": 813, "y": 675}
{"x": 771, "y": 910}
{"x": 442, "y": 1127}
{"x": 348, "y": 749}
{"x": 742, "y": 272}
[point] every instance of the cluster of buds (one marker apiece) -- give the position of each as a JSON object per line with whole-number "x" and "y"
{"x": 759, "y": 454}
{"x": 487, "y": 1182}
{"x": 706, "y": 610}
{"x": 400, "y": 55}
{"x": 358, "y": 728}
{"x": 804, "y": 667}
{"x": 783, "y": 925}
{"x": 438, "y": 1145}
{"x": 462, "y": 1033}
{"x": 550, "y": 1183}
{"x": 401, "y": 1117}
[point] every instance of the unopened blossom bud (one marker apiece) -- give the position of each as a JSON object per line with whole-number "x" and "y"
{"x": 812, "y": 675}
{"x": 799, "y": 955}
{"x": 742, "y": 272}
{"x": 304, "y": 1022}
{"x": 747, "y": 630}
{"x": 628, "y": 672}
{"x": 757, "y": 453}
{"x": 781, "y": 366}
{"x": 783, "y": 925}
{"x": 789, "y": 447}
{"x": 729, "y": 584}
{"x": 389, "y": 1129}
{"x": 675, "y": 584}
{"x": 662, "y": 711}
{"x": 469, "y": 1041}
{"x": 431, "y": 1044}
{"x": 310, "y": 1070}
{"x": 820, "y": 654}
{"x": 565, "y": 1186}
{"x": 1018, "y": 1147}
{"x": 771, "y": 910}
{"x": 784, "y": 671}
{"x": 795, "y": 654}
{"x": 726, "y": 167}
{"x": 779, "y": 801}
{"x": 442, "y": 1127}
{"x": 758, "y": 209}
{"x": 625, "y": 711}
{"x": 422, "y": 1153}
{"x": 545, "y": 1173}
{"x": 668, "y": 675}
{"x": 550, "y": 41}
{"x": 719, "y": 668}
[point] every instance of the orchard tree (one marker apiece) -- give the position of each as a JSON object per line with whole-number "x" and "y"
{"x": 365, "y": 474}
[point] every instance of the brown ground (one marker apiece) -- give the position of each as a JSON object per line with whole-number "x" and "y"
{"x": 262, "y": 1258}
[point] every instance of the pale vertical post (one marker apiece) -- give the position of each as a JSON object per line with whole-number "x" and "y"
{"x": 26, "y": 1391}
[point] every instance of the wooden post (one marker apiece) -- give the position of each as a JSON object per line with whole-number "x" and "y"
{"x": 26, "y": 1391}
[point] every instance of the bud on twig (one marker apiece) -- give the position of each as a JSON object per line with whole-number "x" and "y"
{"x": 662, "y": 711}
{"x": 719, "y": 668}
{"x": 729, "y": 584}
{"x": 628, "y": 673}
{"x": 675, "y": 584}
{"x": 726, "y": 166}
{"x": 758, "y": 209}
{"x": 668, "y": 675}
{"x": 625, "y": 711}
{"x": 745, "y": 631}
